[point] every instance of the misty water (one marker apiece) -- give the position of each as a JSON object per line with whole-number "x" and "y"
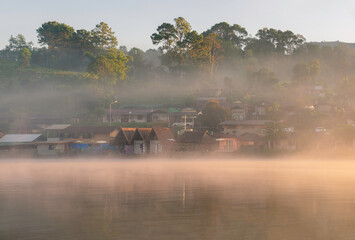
{"x": 177, "y": 199}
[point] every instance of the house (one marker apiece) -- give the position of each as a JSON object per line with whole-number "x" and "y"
{"x": 123, "y": 140}
{"x": 54, "y": 133}
{"x": 287, "y": 143}
{"x": 226, "y": 143}
{"x": 238, "y": 112}
{"x": 161, "y": 139}
{"x": 202, "y": 101}
{"x": 259, "y": 111}
{"x": 239, "y": 127}
{"x": 89, "y": 133}
{"x": 197, "y": 141}
{"x": 250, "y": 140}
{"x": 53, "y": 148}
{"x": 125, "y": 115}
{"x": 185, "y": 117}
{"x": 89, "y": 139}
{"x": 139, "y": 140}
{"x": 19, "y": 143}
{"x": 158, "y": 116}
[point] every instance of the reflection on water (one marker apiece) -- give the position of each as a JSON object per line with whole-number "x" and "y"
{"x": 177, "y": 200}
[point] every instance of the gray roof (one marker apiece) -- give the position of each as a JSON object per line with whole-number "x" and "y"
{"x": 128, "y": 111}
{"x": 19, "y": 138}
{"x": 58, "y": 126}
{"x": 246, "y": 122}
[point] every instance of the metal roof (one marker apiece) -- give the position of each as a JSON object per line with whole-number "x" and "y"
{"x": 128, "y": 111}
{"x": 245, "y": 122}
{"x": 19, "y": 138}
{"x": 58, "y": 126}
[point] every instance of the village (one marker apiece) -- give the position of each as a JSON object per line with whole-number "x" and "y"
{"x": 151, "y": 131}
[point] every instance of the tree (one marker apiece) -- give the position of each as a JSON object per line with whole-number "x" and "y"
{"x": 261, "y": 81}
{"x": 275, "y": 41}
{"x": 306, "y": 73}
{"x": 82, "y": 40}
{"x": 55, "y": 35}
{"x": 209, "y": 52}
{"x": 15, "y": 46}
{"x": 173, "y": 41}
{"x": 18, "y": 43}
{"x": 235, "y": 35}
{"x": 25, "y": 57}
{"x": 103, "y": 37}
{"x": 138, "y": 63}
{"x": 110, "y": 66}
{"x": 213, "y": 114}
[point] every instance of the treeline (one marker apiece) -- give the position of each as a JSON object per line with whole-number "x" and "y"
{"x": 272, "y": 65}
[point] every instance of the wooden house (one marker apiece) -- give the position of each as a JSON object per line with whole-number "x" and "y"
{"x": 123, "y": 140}
{"x": 161, "y": 139}
{"x": 139, "y": 140}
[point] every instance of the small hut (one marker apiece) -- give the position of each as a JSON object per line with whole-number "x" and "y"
{"x": 123, "y": 140}
{"x": 139, "y": 140}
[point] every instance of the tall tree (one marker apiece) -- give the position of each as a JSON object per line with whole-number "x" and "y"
{"x": 55, "y": 35}
{"x": 234, "y": 35}
{"x": 103, "y": 37}
{"x": 173, "y": 41}
{"x": 275, "y": 41}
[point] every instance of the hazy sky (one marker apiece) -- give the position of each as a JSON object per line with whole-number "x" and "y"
{"x": 135, "y": 20}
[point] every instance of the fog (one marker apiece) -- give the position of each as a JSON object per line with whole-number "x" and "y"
{"x": 177, "y": 199}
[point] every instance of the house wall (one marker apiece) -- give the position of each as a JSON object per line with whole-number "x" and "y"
{"x": 50, "y": 149}
{"x": 241, "y": 129}
{"x": 155, "y": 147}
{"x": 238, "y": 114}
{"x": 139, "y": 147}
{"x": 227, "y": 145}
{"x": 157, "y": 117}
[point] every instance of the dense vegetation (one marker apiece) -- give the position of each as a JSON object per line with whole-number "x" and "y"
{"x": 79, "y": 71}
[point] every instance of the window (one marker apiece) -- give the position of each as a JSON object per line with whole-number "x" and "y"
{"x": 51, "y": 147}
{"x": 139, "y": 117}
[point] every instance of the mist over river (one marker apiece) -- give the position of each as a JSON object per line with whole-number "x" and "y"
{"x": 177, "y": 199}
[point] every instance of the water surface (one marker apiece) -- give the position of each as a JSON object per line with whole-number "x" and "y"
{"x": 150, "y": 199}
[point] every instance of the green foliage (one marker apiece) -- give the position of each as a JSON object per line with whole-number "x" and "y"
{"x": 103, "y": 37}
{"x": 110, "y": 66}
{"x": 212, "y": 115}
{"x": 269, "y": 41}
{"x": 306, "y": 73}
{"x": 55, "y": 35}
{"x": 24, "y": 57}
{"x": 234, "y": 35}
